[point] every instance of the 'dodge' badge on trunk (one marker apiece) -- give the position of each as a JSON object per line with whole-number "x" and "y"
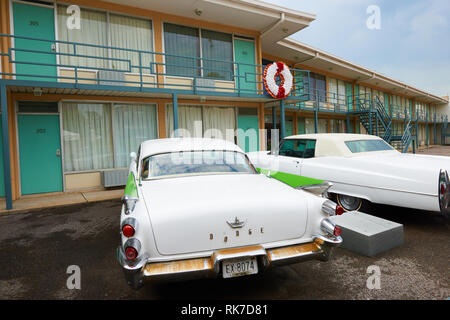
{"x": 236, "y": 223}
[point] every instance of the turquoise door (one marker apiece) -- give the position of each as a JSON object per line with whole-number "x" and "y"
{"x": 248, "y": 136}
{"x": 40, "y": 155}
{"x": 289, "y": 128}
{"x": 244, "y": 54}
{"x": 34, "y": 22}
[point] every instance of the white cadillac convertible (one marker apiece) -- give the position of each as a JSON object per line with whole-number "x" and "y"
{"x": 363, "y": 169}
{"x": 197, "y": 207}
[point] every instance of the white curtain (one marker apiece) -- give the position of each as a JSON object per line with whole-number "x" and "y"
{"x": 333, "y": 88}
{"x": 189, "y": 119}
{"x": 213, "y": 122}
{"x": 309, "y": 125}
{"x": 220, "y": 122}
{"x": 342, "y": 97}
{"x": 92, "y": 31}
{"x": 322, "y": 126}
{"x": 132, "y": 124}
{"x": 130, "y": 33}
{"x": 87, "y": 136}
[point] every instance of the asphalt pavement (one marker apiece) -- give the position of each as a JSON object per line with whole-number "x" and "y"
{"x": 37, "y": 248}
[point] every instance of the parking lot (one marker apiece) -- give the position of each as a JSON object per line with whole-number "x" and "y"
{"x": 37, "y": 247}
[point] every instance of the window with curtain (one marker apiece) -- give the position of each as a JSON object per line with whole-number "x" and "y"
{"x": 309, "y": 125}
{"x": 211, "y": 122}
{"x": 190, "y": 119}
{"x": 181, "y": 41}
{"x": 322, "y": 126}
{"x": 93, "y": 31}
{"x": 87, "y": 136}
{"x": 317, "y": 86}
{"x": 130, "y": 33}
{"x": 333, "y": 87}
{"x": 217, "y": 46}
{"x": 219, "y": 122}
{"x": 132, "y": 124}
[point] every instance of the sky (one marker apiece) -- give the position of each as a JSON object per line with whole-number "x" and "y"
{"x": 412, "y": 44}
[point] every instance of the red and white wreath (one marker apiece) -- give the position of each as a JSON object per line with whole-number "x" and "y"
{"x": 281, "y": 70}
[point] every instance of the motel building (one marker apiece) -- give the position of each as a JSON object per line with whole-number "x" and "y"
{"x": 84, "y": 82}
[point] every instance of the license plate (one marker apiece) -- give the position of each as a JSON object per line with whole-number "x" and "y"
{"x": 239, "y": 267}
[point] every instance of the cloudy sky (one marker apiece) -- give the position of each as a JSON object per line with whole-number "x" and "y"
{"x": 412, "y": 45}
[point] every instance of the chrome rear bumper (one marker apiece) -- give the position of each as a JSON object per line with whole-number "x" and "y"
{"x": 210, "y": 267}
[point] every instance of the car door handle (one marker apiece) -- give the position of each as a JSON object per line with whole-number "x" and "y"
{"x": 58, "y": 153}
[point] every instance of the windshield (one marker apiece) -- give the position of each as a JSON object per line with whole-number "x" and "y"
{"x": 195, "y": 163}
{"x": 368, "y": 145}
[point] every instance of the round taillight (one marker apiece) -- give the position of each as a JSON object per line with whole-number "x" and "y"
{"x": 339, "y": 210}
{"x": 128, "y": 231}
{"x": 131, "y": 253}
{"x": 337, "y": 231}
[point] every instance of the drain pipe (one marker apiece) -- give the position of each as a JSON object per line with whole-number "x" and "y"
{"x": 276, "y": 24}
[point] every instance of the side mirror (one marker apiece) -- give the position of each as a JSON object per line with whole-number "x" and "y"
{"x": 133, "y": 155}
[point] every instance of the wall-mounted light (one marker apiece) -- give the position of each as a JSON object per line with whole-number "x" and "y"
{"x": 285, "y": 30}
{"x": 198, "y": 12}
{"x": 202, "y": 99}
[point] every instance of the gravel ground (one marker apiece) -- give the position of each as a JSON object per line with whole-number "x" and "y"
{"x": 37, "y": 247}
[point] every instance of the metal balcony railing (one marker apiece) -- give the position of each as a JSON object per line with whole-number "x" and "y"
{"x": 56, "y": 61}
{"x": 322, "y": 100}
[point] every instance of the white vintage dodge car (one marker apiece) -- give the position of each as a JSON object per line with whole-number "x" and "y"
{"x": 197, "y": 207}
{"x": 363, "y": 169}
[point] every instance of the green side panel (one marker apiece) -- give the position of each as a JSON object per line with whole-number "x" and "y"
{"x": 39, "y": 142}
{"x": 2, "y": 176}
{"x": 248, "y": 139}
{"x": 289, "y": 128}
{"x": 386, "y": 103}
{"x": 290, "y": 179}
{"x": 410, "y": 107}
{"x": 244, "y": 52}
{"x": 35, "y": 22}
{"x": 301, "y": 126}
{"x": 131, "y": 188}
{"x": 349, "y": 96}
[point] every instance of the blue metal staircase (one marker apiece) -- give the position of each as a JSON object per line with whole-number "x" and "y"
{"x": 373, "y": 116}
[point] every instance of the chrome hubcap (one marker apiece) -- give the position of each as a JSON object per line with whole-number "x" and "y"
{"x": 349, "y": 203}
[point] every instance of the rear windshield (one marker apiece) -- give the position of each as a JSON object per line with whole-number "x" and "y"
{"x": 368, "y": 145}
{"x": 195, "y": 163}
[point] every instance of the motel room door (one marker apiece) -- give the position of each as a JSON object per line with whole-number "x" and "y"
{"x": 39, "y": 153}
{"x": 34, "y": 21}
{"x": 244, "y": 52}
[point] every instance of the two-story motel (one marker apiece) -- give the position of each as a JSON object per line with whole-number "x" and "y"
{"x": 82, "y": 86}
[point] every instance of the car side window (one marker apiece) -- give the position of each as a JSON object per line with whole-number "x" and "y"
{"x": 298, "y": 148}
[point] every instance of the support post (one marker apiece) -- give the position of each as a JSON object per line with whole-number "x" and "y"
{"x": 6, "y": 158}
{"x": 316, "y": 122}
{"x": 282, "y": 120}
{"x": 175, "y": 114}
{"x": 274, "y": 117}
{"x": 348, "y": 123}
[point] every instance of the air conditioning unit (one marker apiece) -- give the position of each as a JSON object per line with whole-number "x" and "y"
{"x": 114, "y": 178}
{"x": 104, "y": 76}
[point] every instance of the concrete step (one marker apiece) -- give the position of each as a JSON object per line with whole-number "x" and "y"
{"x": 368, "y": 235}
